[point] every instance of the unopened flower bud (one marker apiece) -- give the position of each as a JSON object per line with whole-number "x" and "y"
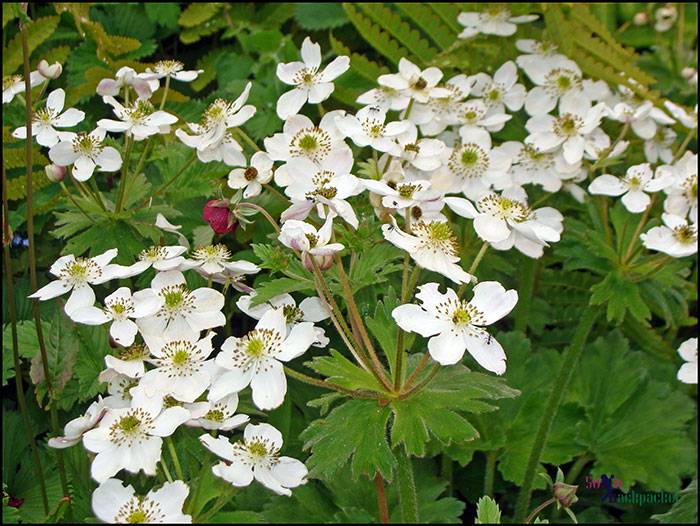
{"x": 322, "y": 262}
{"x": 689, "y": 72}
{"x": 564, "y": 493}
{"x": 52, "y": 71}
{"x": 55, "y": 173}
{"x": 221, "y": 220}
{"x": 641, "y": 19}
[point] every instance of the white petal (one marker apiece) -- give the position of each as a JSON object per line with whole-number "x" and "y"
{"x": 636, "y": 201}
{"x": 608, "y": 185}
{"x": 290, "y": 103}
{"x": 269, "y": 386}
{"x": 109, "y": 497}
{"x": 299, "y": 340}
{"x": 493, "y": 301}
{"x": 487, "y": 352}
{"x": 447, "y": 348}
{"x": 490, "y": 228}
{"x": 413, "y": 318}
{"x": 169, "y": 420}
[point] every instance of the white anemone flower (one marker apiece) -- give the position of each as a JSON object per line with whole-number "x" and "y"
{"x": 402, "y": 195}
{"x": 256, "y": 457}
{"x": 298, "y": 235}
{"x": 75, "y": 429}
{"x": 309, "y": 83}
{"x": 687, "y": 119}
{"x": 161, "y": 258}
{"x": 660, "y": 146}
{"x": 476, "y": 112}
{"x": 688, "y": 372}
{"x": 173, "y": 69}
{"x": 455, "y": 326}
{"x": 131, "y": 438}
{"x": 682, "y": 194}
{"x": 125, "y": 76}
{"x": 120, "y": 308}
{"x": 86, "y": 152}
{"x": 572, "y": 131}
{"x": 384, "y": 97}
{"x": 496, "y": 20}
{"x": 14, "y": 85}
{"x": 258, "y": 173}
{"x": 256, "y": 359}
{"x": 536, "y": 51}
{"x": 327, "y": 184}
{"x": 300, "y": 137}
{"x": 414, "y": 83}
{"x": 140, "y": 120}
{"x": 76, "y": 275}
{"x": 547, "y": 169}
{"x": 423, "y": 154}
{"x": 442, "y": 111}
{"x": 634, "y": 187}
{"x": 129, "y": 361}
{"x": 502, "y": 90}
{"x": 432, "y": 245}
{"x": 233, "y": 274}
{"x": 676, "y": 237}
{"x": 220, "y": 415}
{"x": 559, "y": 79}
{"x": 184, "y": 311}
{"x": 181, "y": 367}
{"x": 367, "y": 128}
{"x": 211, "y": 259}
{"x": 119, "y": 387}
{"x": 52, "y": 116}
{"x": 115, "y": 504}
{"x": 496, "y": 216}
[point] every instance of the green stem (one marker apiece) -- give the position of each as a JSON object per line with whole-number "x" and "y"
{"x": 223, "y": 499}
{"x": 490, "y": 472}
{"x": 414, "y": 374}
{"x": 166, "y": 470}
{"x": 168, "y": 183}
{"x": 322, "y": 383}
{"x": 75, "y": 203}
{"x": 32, "y": 259}
{"x": 681, "y": 149}
{"x": 436, "y": 369}
{"x": 165, "y": 92}
{"x": 638, "y": 230}
{"x": 176, "y": 460}
{"x": 475, "y": 264}
{"x": 243, "y": 135}
{"x": 527, "y": 285}
{"x": 264, "y": 213}
{"x": 276, "y": 192}
{"x": 21, "y": 400}
{"x": 129, "y": 143}
{"x": 408, "y": 501}
{"x": 538, "y": 509}
{"x": 381, "y": 499}
{"x": 96, "y": 193}
{"x": 566, "y": 371}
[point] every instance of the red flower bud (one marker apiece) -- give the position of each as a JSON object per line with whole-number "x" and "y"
{"x": 220, "y": 218}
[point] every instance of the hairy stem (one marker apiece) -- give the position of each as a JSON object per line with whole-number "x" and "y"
{"x": 408, "y": 501}
{"x": 490, "y": 472}
{"x": 568, "y": 366}
{"x": 638, "y": 230}
{"x": 381, "y": 499}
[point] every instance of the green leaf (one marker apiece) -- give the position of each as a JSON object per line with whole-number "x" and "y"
{"x": 38, "y": 32}
{"x": 685, "y": 509}
{"x": 198, "y": 13}
{"x": 163, "y": 14}
{"x": 354, "y": 431}
{"x": 268, "y": 290}
{"x": 321, "y": 15}
{"x": 487, "y": 511}
{"x": 27, "y": 345}
{"x": 341, "y": 371}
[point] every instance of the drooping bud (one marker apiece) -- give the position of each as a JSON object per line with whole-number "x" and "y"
{"x": 221, "y": 220}
{"x": 55, "y": 173}
{"x": 52, "y": 71}
{"x": 564, "y": 493}
{"x": 322, "y": 262}
{"x": 641, "y": 19}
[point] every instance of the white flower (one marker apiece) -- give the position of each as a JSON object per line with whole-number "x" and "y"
{"x": 173, "y": 69}
{"x": 423, "y": 154}
{"x": 256, "y": 359}
{"x": 77, "y": 274}
{"x": 167, "y": 226}
{"x": 496, "y": 216}
{"x": 129, "y": 362}
{"x": 432, "y": 245}
{"x": 75, "y": 429}
{"x": 184, "y": 311}
{"x": 688, "y": 373}
{"x": 298, "y": 235}
{"x": 665, "y": 18}
{"x": 414, "y": 83}
{"x": 44, "y": 121}
{"x": 220, "y": 415}
{"x": 455, "y": 325}
{"x": 687, "y": 119}
{"x": 536, "y": 51}
{"x": 130, "y": 438}
{"x": 86, "y": 152}
{"x": 559, "y": 79}
{"x": 659, "y": 146}
{"x": 638, "y": 180}
{"x": 501, "y": 90}
{"x": 119, "y": 387}
{"x": 140, "y": 120}
{"x": 120, "y": 306}
{"x": 161, "y": 258}
{"x": 442, "y": 111}
{"x": 676, "y": 237}
{"x": 328, "y": 183}
{"x": 14, "y": 85}
{"x": 302, "y": 138}
{"x": 211, "y": 259}
{"x": 642, "y": 115}
{"x": 474, "y": 165}
{"x": 126, "y": 76}
{"x": 256, "y": 457}
{"x": 181, "y": 367}
{"x": 384, "y": 97}
{"x": 211, "y": 139}
{"x": 547, "y": 169}
{"x": 115, "y": 504}
{"x": 572, "y": 130}
{"x": 310, "y": 83}
{"x": 367, "y": 128}
{"x": 496, "y": 20}
{"x": 476, "y": 112}
{"x": 252, "y": 178}
{"x": 683, "y": 192}
{"x": 233, "y": 273}
{"x": 403, "y": 195}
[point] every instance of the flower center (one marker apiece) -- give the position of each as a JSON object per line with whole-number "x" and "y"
{"x": 685, "y": 234}
{"x": 560, "y": 80}
{"x": 215, "y": 415}
{"x": 167, "y": 67}
{"x": 257, "y": 449}
{"x": 567, "y": 125}
{"x": 407, "y": 190}
{"x": 416, "y": 212}
{"x": 494, "y": 95}
{"x": 420, "y": 83}
{"x": 87, "y": 145}
{"x": 215, "y": 114}
{"x": 313, "y": 143}
{"x": 139, "y": 111}
{"x": 250, "y": 173}
{"x": 133, "y": 352}
{"x": 329, "y": 192}
{"x": 212, "y": 253}
{"x": 255, "y": 347}
{"x": 313, "y": 240}
{"x": 180, "y": 357}
{"x": 177, "y": 300}
{"x": 413, "y": 148}
{"x": 308, "y": 143}
{"x": 7, "y": 82}
{"x": 292, "y": 314}
{"x": 461, "y": 317}
{"x": 129, "y": 424}
{"x": 44, "y": 116}
{"x": 137, "y": 517}
{"x": 439, "y": 231}
{"x": 469, "y": 160}
{"x": 80, "y": 271}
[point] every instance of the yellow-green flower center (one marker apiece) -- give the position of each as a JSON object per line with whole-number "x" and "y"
{"x": 461, "y": 317}
{"x": 469, "y": 157}
{"x": 137, "y": 517}
{"x": 129, "y": 424}
{"x": 308, "y": 143}
{"x": 180, "y": 357}
{"x": 255, "y": 347}
{"x": 257, "y": 449}
{"x": 215, "y": 415}
{"x": 313, "y": 240}
{"x": 439, "y": 231}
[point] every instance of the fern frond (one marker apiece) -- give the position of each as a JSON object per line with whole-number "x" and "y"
{"x": 448, "y": 13}
{"x": 111, "y": 45}
{"x": 38, "y": 32}
{"x": 429, "y": 22}
{"x": 582, "y": 14}
{"x": 17, "y": 186}
{"x": 15, "y": 158}
{"x": 374, "y": 35}
{"x": 392, "y": 22}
